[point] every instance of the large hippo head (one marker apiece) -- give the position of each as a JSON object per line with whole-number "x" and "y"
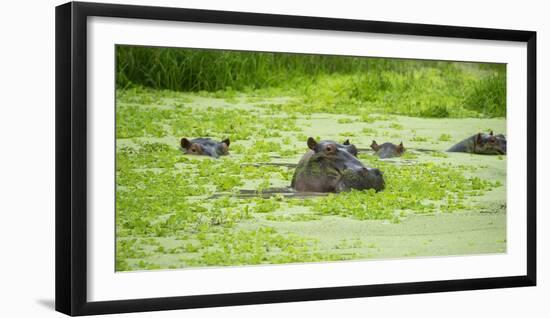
{"x": 329, "y": 167}
{"x": 205, "y": 147}
{"x": 489, "y": 144}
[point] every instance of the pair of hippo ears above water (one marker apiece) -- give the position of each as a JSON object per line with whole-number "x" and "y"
{"x": 331, "y": 146}
{"x": 490, "y": 137}
{"x": 376, "y": 145}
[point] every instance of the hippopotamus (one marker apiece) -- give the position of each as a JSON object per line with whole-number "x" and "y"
{"x": 387, "y": 149}
{"x": 482, "y": 143}
{"x": 205, "y": 147}
{"x": 331, "y": 167}
{"x": 347, "y": 146}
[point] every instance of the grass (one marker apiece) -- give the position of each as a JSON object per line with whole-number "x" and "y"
{"x": 322, "y": 83}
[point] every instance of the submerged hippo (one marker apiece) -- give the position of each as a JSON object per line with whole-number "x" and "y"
{"x": 347, "y": 146}
{"x": 387, "y": 149}
{"x": 328, "y": 167}
{"x": 205, "y": 147}
{"x": 484, "y": 144}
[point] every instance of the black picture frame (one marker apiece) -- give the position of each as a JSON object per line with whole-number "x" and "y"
{"x": 71, "y": 157}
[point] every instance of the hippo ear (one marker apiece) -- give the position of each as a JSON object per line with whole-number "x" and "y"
{"x": 401, "y": 147}
{"x": 478, "y": 138}
{"x": 311, "y": 143}
{"x": 226, "y": 141}
{"x": 491, "y": 133}
{"x": 346, "y": 143}
{"x": 374, "y": 146}
{"x": 185, "y": 143}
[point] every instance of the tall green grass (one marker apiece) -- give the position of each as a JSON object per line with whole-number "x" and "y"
{"x": 410, "y": 87}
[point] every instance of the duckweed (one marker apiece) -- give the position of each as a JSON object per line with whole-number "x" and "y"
{"x": 175, "y": 210}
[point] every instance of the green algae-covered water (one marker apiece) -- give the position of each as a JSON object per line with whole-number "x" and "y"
{"x": 178, "y": 211}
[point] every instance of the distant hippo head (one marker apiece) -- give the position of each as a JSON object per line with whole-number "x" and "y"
{"x": 483, "y": 144}
{"x": 205, "y": 147}
{"x": 387, "y": 149}
{"x": 329, "y": 167}
{"x": 347, "y": 146}
{"x": 489, "y": 144}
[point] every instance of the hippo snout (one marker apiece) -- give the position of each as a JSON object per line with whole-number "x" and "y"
{"x": 375, "y": 179}
{"x": 362, "y": 178}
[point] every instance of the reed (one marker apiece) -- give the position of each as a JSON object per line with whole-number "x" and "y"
{"x": 412, "y": 87}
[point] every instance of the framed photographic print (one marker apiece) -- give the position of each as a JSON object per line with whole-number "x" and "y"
{"x": 208, "y": 158}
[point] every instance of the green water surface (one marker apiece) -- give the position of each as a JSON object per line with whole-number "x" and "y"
{"x": 179, "y": 211}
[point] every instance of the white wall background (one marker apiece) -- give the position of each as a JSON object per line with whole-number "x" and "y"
{"x": 27, "y": 158}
